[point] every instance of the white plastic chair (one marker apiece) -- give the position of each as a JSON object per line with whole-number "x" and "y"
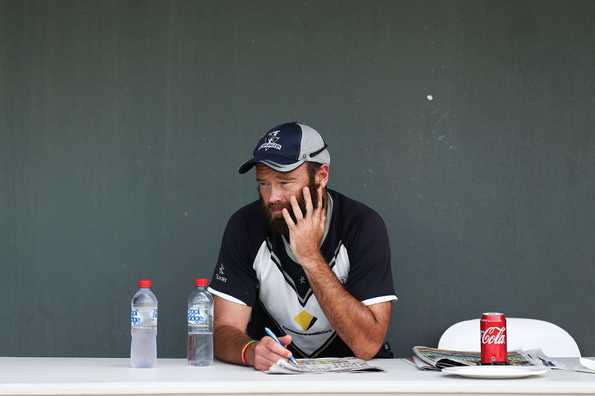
{"x": 522, "y": 333}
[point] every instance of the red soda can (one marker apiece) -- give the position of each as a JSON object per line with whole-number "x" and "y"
{"x": 493, "y": 338}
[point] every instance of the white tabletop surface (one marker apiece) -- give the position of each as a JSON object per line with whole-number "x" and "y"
{"x": 93, "y": 376}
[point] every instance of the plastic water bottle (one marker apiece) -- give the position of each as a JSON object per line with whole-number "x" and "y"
{"x": 143, "y": 326}
{"x": 200, "y": 325}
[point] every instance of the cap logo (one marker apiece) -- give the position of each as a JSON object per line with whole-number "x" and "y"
{"x": 271, "y": 141}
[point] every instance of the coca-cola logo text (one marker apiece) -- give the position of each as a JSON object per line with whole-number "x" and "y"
{"x": 494, "y": 335}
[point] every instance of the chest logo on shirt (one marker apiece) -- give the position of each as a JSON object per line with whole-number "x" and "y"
{"x": 305, "y": 319}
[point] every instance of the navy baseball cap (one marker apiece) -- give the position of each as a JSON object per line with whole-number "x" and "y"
{"x": 287, "y": 146}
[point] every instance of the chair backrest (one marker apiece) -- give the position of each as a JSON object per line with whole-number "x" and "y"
{"x": 522, "y": 333}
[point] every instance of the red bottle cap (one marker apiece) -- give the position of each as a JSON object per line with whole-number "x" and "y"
{"x": 145, "y": 283}
{"x": 201, "y": 282}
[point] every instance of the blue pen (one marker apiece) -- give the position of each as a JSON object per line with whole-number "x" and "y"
{"x": 274, "y": 337}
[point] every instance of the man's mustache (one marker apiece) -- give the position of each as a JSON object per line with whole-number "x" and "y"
{"x": 278, "y": 207}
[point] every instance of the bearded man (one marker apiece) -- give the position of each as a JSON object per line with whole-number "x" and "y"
{"x": 305, "y": 261}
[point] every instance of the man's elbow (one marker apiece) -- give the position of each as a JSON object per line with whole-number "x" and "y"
{"x": 367, "y": 349}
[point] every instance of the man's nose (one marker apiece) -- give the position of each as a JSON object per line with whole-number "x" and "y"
{"x": 276, "y": 195}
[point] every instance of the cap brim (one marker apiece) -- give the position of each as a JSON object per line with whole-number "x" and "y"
{"x": 247, "y": 166}
{"x": 273, "y": 165}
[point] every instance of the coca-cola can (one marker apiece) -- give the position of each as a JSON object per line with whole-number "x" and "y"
{"x": 493, "y": 338}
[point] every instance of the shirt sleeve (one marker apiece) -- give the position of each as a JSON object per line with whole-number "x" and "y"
{"x": 234, "y": 278}
{"x": 370, "y": 277}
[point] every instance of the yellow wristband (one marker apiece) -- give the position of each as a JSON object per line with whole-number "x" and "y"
{"x": 244, "y": 349}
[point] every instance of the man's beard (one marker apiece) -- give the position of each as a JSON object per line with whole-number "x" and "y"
{"x": 277, "y": 225}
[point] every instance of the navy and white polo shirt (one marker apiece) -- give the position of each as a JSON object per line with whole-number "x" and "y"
{"x": 259, "y": 270}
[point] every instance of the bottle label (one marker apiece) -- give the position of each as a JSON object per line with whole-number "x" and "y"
{"x": 143, "y": 317}
{"x": 198, "y": 316}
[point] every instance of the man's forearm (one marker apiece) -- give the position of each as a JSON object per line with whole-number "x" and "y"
{"x": 354, "y": 322}
{"x": 228, "y": 344}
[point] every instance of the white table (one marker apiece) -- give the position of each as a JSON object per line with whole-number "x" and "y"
{"x": 92, "y": 376}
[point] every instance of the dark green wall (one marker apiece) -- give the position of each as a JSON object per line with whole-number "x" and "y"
{"x": 123, "y": 123}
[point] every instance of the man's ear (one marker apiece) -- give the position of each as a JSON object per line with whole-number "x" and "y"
{"x": 322, "y": 175}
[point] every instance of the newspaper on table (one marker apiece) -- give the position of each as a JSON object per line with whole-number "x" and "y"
{"x": 426, "y": 358}
{"x": 322, "y": 365}
{"x": 581, "y": 365}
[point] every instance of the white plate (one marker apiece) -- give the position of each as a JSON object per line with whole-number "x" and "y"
{"x": 495, "y": 371}
{"x": 588, "y": 363}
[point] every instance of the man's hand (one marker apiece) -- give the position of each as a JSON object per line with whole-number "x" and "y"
{"x": 306, "y": 233}
{"x": 267, "y": 352}
{"x": 231, "y": 321}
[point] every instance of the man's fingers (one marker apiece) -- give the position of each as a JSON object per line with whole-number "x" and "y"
{"x": 267, "y": 352}
{"x": 319, "y": 207}
{"x": 262, "y": 363}
{"x": 296, "y": 208}
{"x": 308, "y": 200}
{"x": 319, "y": 203}
{"x": 285, "y": 340}
{"x": 288, "y": 219}
{"x": 275, "y": 349}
